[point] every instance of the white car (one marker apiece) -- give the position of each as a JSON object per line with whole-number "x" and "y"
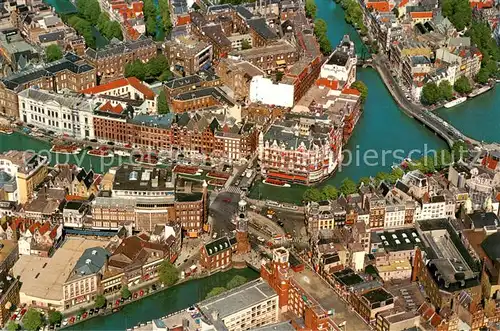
{"x": 261, "y": 240}
{"x": 214, "y": 236}
{"x": 65, "y": 322}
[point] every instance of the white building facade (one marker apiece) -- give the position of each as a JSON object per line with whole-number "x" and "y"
{"x": 63, "y": 113}
{"x": 265, "y": 91}
{"x": 341, "y": 65}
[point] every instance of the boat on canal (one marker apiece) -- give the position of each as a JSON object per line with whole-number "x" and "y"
{"x": 6, "y": 130}
{"x": 275, "y": 182}
{"x": 455, "y": 102}
{"x": 121, "y": 153}
{"x": 66, "y": 149}
{"x": 100, "y": 152}
{"x": 480, "y": 91}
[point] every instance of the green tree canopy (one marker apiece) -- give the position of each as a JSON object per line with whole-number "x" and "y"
{"x": 162, "y": 106}
{"x": 245, "y": 44}
{"x": 13, "y": 326}
{"x": 216, "y": 291}
{"x": 136, "y": 69}
{"x": 458, "y": 12}
{"x": 445, "y": 90}
{"x": 157, "y": 65}
{"x": 329, "y": 192}
{"x": 55, "y": 317}
{"x": 462, "y": 85}
{"x": 311, "y": 8}
{"x": 430, "y": 94}
{"x": 125, "y": 292}
{"x": 53, "y": 53}
{"x": 149, "y": 11}
{"x": 100, "y": 301}
{"x": 165, "y": 15}
{"x": 312, "y": 194}
{"x": 236, "y": 281}
{"x": 320, "y": 31}
{"x": 169, "y": 275}
{"x": 482, "y": 76}
{"x": 32, "y": 320}
{"x": 362, "y": 88}
{"x": 459, "y": 151}
{"x": 348, "y": 186}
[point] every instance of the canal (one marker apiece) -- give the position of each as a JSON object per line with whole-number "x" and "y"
{"x": 163, "y": 303}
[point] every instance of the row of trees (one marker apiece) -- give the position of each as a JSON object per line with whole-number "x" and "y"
{"x": 311, "y": 9}
{"x": 233, "y": 283}
{"x": 362, "y": 88}
{"x": 155, "y": 69}
{"x": 320, "y": 31}
{"x": 33, "y": 320}
{"x": 459, "y": 13}
{"x": 426, "y": 164}
{"x": 353, "y": 14}
{"x": 433, "y": 93}
{"x": 89, "y": 16}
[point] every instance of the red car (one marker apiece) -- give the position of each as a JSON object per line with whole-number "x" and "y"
{"x": 84, "y": 316}
{"x": 13, "y": 317}
{"x": 23, "y": 311}
{"x": 135, "y": 295}
{"x": 72, "y": 320}
{"x": 117, "y": 302}
{"x": 141, "y": 293}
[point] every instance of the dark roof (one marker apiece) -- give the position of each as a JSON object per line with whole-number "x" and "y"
{"x": 401, "y": 186}
{"x": 218, "y": 245}
{"x": 348, "y": 277}
{"x": 50, "y": 37}
{"x": 119, "y": 48}
{"x": 491, "y": 246}
{"x": 259, "y": 25}
{"x": 91, "y": 261}
{"x": 378, "y": 295}
{"x": 243, "y": 12}
{"x": 481, "y": 219}
{"x": 137, "y": 178}
{"x": 338, "y": 58}
{"x": 209, "y": 91}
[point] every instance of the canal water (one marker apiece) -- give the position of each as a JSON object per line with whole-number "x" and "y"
{"x": 163, "y": 303}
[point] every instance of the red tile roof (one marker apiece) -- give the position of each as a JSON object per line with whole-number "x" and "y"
{"x": 132, "y": 81}
{"x": 183, "y": 20}
{"x": 351, "y": 91}
{"x": 44, "y": 228}
{"x": 424, "y": 14}
{"x": 381, "y": 6}
{"x": 332, "y": 84}
{"x": 403, "y": 3}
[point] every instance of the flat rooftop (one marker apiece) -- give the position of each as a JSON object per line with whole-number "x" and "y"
{"x": 279, "y": 47}
{"x": 395, "y": 266}
{"x": 311, "y": 283}
{"x": 397, "y": 240}
{"x": 240, "y": 298}
{"x": 377, "y": 295}
{"x": 44, "y": 277}
{"x": 6, "y": 249}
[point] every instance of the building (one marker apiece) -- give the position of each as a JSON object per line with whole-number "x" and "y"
{"x": 66, "y": 113}
{"x": 275, "y": 56}
{"x": 324, "y": 215}
{"x": 150, "y": 196}
{"x": 188, "y": 55}
{"x": 444, "y": 266}
{"x": 201, "y": 99}
{"x": 237, "y": 75}
{"x": 70, "y": 72}
{"x": 9, "y": 285}
{"x": 110, "y": 61}
{"x": 302, "y": 75}
{"x": 202, "y": 79}
{"x": 216, "y": 255}
{"x": 341, "y": 65}
{"x": 15, "y": 50}
{"x": 266, "y": 91}
{"x": 40, "y": 239}
{"x": 372, "y": 302}
{"x": 300, "y": 150}
{"x": 29, "y": 170}
{"x": 126, "y": 89}
{"x": 236, "y": 142}
{"x": 468, "y": 60}
{"x": 84, "y": 281}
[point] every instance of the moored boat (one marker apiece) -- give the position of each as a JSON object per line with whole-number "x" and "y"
{"x": 5, "y": 129}
{"x": 455, "y": 102}
{"x": 65, "y": 149}
{"x": 100, "y": 152}
{"x": 121, "y": 153}
{"x": 147, "y": 160}
{"x": 480, "y": 91}
{"x": 275, "y": 182}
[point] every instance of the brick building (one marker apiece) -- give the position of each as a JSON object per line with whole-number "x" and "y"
{"x": 216, "y": 255}
{"x": 236, "y": 75}
{"x": 70, "y": 72}
{"x": 9, "y": 286}
{"x": 188, "y": 55}
{"x": 110, "y": 61}
{"x": 275, "y": 56}
{"x": 200, "y": 80}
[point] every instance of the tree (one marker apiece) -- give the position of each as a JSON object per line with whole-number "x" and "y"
{"x": 482, "y": 76}
{"x": 245, "y": 44}
{"x": 162, "y": 106}
{"x": 156, "y": 66}
{"x": 125, "y": 292}
{"x": 365, "y": 180}
{"x": 150, "y": 14}
{"x": 445, "y": 90}
{"x": 311, "y": 9}
{"x": 279, "y": 76}
{"x": 136, "y": 69}
{"x": 53, "y": 53}
{"x": 459, "y": 151}
{"x": 169, "y": 275}
{"x": 430, "y": 94}
{"x": 458, "y": 12}
{"x": 312, "y": 194}
{"x": 100, "y": 301}
{"x": 348, "y": 186}
{"x": 330, "y": 192}
{"x": 112, "y": 29}
{"x": 55, "y": 317}
{"x": 165, "y": 15}
{"x": 215, "y": 291}
{"x": 462, "y": 85}
{"x": 362, "y": 88}
{"x": 32, "y": 320}
{"x": 13, "y": 326}
{"x": 443, "y": 159}
{"x": 236, "y": 281}
{"x": 320, "y": 31}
